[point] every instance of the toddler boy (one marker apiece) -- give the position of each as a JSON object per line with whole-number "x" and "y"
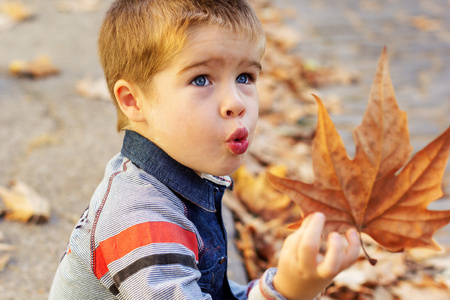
{"x": 182, "y": 74}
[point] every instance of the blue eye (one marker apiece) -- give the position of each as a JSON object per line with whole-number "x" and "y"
{"x": 243, "y": 79}
{"x": 200, "y": 81}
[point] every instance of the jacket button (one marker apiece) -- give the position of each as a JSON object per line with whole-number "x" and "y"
{"x": 222, "y": 260}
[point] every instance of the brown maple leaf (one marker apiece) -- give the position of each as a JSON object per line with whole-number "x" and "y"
{"x": 375, "y": 192}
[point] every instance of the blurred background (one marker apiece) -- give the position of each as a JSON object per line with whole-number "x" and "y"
{"x": 57, "y": 126}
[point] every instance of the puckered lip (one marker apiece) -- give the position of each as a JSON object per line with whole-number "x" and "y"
{"x": 238, "y": 141}
{"x": 238, "y": 135}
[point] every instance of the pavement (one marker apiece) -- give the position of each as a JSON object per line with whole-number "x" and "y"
{"x": 58, "y": 142}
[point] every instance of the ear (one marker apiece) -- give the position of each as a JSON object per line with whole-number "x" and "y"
{"x": 130, "y": 100}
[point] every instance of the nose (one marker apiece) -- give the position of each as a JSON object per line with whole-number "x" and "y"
{"x": 232, "y": 104}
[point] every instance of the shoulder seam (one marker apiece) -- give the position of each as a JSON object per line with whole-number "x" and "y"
{"x": 99, "y": 211}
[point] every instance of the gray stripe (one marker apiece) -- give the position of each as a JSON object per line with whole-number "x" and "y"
{"x": 151, "y": 260}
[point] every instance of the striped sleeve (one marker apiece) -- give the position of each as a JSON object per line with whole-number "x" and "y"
{"x": 263, "y": 288}
{"x": 140, "y": 235}
{"x": 258, "y": 289}
{"x": 143, "y": 245}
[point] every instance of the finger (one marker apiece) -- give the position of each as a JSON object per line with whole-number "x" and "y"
{"x": 292, "y": 241}
{"x": 310, "y": 241}
{"x": 353, "y": 248}
{"x": 332, "y": 261}
{"x": 306, "y": 221}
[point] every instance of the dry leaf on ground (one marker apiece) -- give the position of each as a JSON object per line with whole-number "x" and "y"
{"x": 425, "y": 24}
{"x": 95, "y": 89}
{"x": 12, "y": 12}
{"x": 261, "y": 226}
{"x": 374, "y": 192}
{"x": 41, "y": 141}
{"x": 270, "y": 201}
{"x": 260, "y": 240}
{"x": 41, "y": 66}
{"x": 419, "y": 291}
{"x": 396, "y": 276}
{"x": 286, "y": 145}
{"x": 22, "y": 203}
{"x": 15, "y": 10}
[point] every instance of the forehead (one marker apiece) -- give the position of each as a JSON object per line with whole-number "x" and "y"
{"x": 219, "y": 45}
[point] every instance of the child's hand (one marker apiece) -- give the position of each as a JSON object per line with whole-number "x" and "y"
{"x": 302, "y": 271}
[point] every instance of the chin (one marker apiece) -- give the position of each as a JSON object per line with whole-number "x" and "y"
{"x": 223, "y": 167}
{"x": 228, "y": 170}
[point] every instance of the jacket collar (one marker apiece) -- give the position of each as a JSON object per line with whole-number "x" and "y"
{"x": 179, "y": 178}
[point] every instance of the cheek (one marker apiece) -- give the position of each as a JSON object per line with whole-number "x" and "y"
{"x": 193, "y": 125}
{"x": 168, "y": 123}
{"x": 252, "y": 117}
{"x": 253, "y": 109}
{"x": 252, "y": 100}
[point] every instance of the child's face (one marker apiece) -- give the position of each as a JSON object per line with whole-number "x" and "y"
{"x": 206, "y": 105}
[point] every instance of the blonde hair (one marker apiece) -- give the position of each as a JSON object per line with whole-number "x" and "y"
{"x": 139, "y": 38}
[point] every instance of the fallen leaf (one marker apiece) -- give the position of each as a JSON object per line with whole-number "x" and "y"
{"x": 426, "y": 24}
{"x": 390, "y": 267}
{"x": 41, "y": 66}
{"x": 24, "y": 204}
{"x": 45, "y": 139}
{"x": 375, "y": 192}
{"x": 12, "y": 13}
{"x": 260, "y": 239}
{"x": 248, "y": 187}
{"x": 16, "y": 11}
{"x": 411, "y": 291}
{"x": 382, "y": 293}
{"x": 96, "y": 89}
{"x": 291, "y": 148}
{"x": 246, "y": 245}
{"x": 391, "y": 277}
{"x": 282, "y": 35}
{"x": 345, "y": 293}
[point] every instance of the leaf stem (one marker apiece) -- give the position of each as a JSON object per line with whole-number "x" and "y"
{"x": 372, "y": 261}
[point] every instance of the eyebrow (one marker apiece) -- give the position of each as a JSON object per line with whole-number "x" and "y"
{"x": 213, "y": 61}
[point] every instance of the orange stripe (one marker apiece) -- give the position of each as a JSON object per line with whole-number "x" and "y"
{"x": 140, "y": 235}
